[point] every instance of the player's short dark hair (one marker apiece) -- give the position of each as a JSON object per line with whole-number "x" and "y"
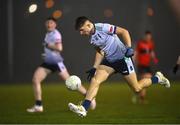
{"x": 51, "y": 18}
{"x": 80, "y": 22}
{"x": 148, "y": 32}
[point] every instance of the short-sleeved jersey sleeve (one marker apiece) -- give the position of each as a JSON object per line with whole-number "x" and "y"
{"x": 105, "y": 27}
{"x": 58, "y": 37}
{"x": 53, "y": 37}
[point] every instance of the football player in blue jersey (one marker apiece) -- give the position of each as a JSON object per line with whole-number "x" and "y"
{"x": 53, "y": 62}
{"x": 112, "y": 56}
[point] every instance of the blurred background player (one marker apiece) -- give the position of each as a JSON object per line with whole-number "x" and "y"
{"x": 144, "y": 56}
{"x": 112, "y": 56}
{"x": 53, "y": 62}
{"x": 176, "y": 67}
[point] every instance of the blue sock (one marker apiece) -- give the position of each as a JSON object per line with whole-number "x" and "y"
{"x": 154, "y": 79}
{"x": 38, "y": 102}
{"x": 86, "y": 104}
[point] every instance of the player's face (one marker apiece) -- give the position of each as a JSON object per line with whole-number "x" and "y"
{"x": 50, "y": 25}
{"x": 86, "y": 29}
{"x": 148, "y": 37}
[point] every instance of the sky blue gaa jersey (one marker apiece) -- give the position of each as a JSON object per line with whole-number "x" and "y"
{"x": 106, "y": 39}
{"x": 51, "y": 56}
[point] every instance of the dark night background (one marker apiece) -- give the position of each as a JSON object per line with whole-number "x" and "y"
{"x": 19, "y": 59}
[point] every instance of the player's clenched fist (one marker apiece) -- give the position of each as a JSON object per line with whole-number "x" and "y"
{"x": 129, "y": 52}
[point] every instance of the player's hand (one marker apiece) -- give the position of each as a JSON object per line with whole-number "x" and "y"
{"x": 91, "y": 73}
{"x": 129, "y": 52}
{"x": 175, "y": 68}
{"x": 155, "y": 60}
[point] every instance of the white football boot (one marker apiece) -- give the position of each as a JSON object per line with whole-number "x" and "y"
{"x": 163, "y": 80}
{"x": 78, "y": 109}
{"x": 35, "y": 108}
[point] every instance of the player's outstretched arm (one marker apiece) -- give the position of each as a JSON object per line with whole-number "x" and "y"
{"x": 125, "y": 35}
{"x": 126, "y": 39}
{"x": 155, "y": 59}
{"x": 98, "y": 58}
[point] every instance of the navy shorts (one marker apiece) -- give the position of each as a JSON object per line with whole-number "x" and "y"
{"x": 54, "y": 67}
{"x": 124, "y": 66}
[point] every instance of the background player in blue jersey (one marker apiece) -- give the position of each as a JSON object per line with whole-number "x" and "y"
{"x": 53, "y": 62}
{"x": 112, "y": 56}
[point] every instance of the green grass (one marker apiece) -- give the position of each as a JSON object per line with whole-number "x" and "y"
{"x": 113, "y": 105}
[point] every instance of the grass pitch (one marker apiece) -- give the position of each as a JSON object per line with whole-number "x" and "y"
{"x": 113, "y": 105}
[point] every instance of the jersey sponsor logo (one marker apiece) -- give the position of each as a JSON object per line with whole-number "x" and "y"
{"x": 96, "y": 38}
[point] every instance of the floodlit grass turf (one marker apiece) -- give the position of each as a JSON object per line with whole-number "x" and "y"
{"x": 113, "y": 105}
